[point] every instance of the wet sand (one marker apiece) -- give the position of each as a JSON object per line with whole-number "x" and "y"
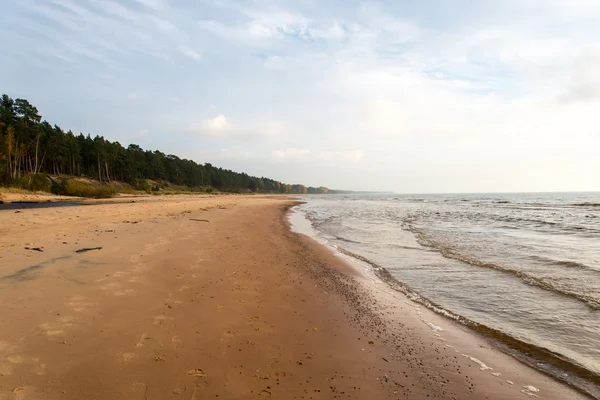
{"x": 213, "y": 297}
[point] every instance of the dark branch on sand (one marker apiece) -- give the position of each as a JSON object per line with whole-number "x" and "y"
{"x": 88, "y": 249}
{"x": 199, "y": 220}
{"x": 34, "y": 249}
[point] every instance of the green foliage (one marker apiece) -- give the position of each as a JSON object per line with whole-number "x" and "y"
{"x": 75, "y": 188}
{"x": 34, "y": 182}
{"x": 30, "y": 145}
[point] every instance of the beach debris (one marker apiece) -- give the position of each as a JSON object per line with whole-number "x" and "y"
{"x": 35, "y": 249}
{"x": 315, "y": 329}
{"x": 371, "y": 342}
{"x": 18, "y": 389}
{"x": 385, "y": 359}
{"x": 159, "y": 359}
{"x": 197, "y": 372}
{"x": 199, "y": 220}
{"x": 385, "y": 377}
{"x": 86, "y": 249}
{"x": 131, "y": 222}
{"x": 17, "y": 212}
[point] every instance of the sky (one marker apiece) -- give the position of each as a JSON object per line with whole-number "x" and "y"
{"x": 415, "y": 96}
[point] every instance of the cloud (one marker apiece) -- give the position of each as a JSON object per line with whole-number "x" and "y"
{"x": 190, "y": 53}
{"x": 217, "y": 126}
{"x": 217, "y": 123}
{"x": 153, "y": 4}
{"x": 369, "y": 90}
{"x": 584, "y": 77}
{"x": 293, "y": 154}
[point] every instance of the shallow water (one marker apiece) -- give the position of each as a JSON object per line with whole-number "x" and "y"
{"x": 516, "y": 266}
{"x": 35, "y": 205}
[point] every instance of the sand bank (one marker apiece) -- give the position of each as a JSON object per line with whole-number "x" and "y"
{"x": 199, "y": 298}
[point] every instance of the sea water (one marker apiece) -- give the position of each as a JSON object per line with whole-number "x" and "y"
{"x": 521, "y": 268}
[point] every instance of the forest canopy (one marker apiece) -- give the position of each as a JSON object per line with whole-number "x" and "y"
{"x": 30, "y": 145}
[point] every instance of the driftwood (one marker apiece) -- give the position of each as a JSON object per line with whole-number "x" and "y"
{"x": 199, "y": 220}
{"x": 34, "y": 249}
{"x": 88, "y": 249}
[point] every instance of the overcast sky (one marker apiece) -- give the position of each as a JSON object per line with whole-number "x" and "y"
{"x": 409, "y": 96}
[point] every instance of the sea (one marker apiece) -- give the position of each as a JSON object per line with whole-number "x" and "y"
{"x": 522, "y": 269}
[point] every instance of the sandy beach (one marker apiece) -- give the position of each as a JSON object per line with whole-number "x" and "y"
{"x": 200, "y": 297}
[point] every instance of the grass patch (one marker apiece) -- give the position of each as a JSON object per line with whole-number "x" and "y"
{"x": 80, "y": 189}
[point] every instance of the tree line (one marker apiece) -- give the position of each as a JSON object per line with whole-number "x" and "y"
{"x": 30, "y": 145}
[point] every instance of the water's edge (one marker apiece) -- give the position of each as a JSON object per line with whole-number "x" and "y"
{"x": 538, "y": 358}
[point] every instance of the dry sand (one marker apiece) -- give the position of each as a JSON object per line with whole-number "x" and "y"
{"x": 199, "y": 298}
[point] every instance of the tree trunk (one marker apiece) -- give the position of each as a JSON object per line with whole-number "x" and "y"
{"x": 37, "y": 145}
{"x": 99, "y": 170}
{"x": 107, "y": 173}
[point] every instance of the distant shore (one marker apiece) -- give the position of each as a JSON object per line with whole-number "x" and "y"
{"x": 199, "y": 297}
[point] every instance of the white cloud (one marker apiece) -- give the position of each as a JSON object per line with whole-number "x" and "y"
{"x": 212, "y": 126}
{"x": 153, "y": 4}
{"x": 294, "y": 155}
{"x": 291, "y": 154}
{"x": 372, "y": 89}
{"x": 190, "y": 53}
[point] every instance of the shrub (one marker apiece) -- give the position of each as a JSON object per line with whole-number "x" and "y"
{"x": 80, "y": 189}
{"x": 35, "y": 182}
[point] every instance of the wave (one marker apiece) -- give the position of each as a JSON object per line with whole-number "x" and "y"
{"x": 343, "y": 239}
{"x": 530, "y": 279}
{"x": 564, "y": 263}
{"x": 537, "y": 357}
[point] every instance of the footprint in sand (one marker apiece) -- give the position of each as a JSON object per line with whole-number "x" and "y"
{"x": 57, "y": 327}
{"x": 111, "y": 286}
{"x": 139, "y": 391}
{"x": 143, "y": 338}
{"x": 19, "y": 393}
{"x": 139, "y": 267}
{"x": 124, "y": 292}
{"x": 177, "y": 342}
{"x": 126, "y": 357}
{"x": 15, "y": 359}
{"x": 161, "y": 319}
{"x": 40, "y": 369}
{"x": 184, "y": 287}
{"x": 78, "y": 303}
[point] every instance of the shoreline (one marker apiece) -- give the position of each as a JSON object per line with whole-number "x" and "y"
{"x": 194, "y": 298}
{"x": 576, "y": 377}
